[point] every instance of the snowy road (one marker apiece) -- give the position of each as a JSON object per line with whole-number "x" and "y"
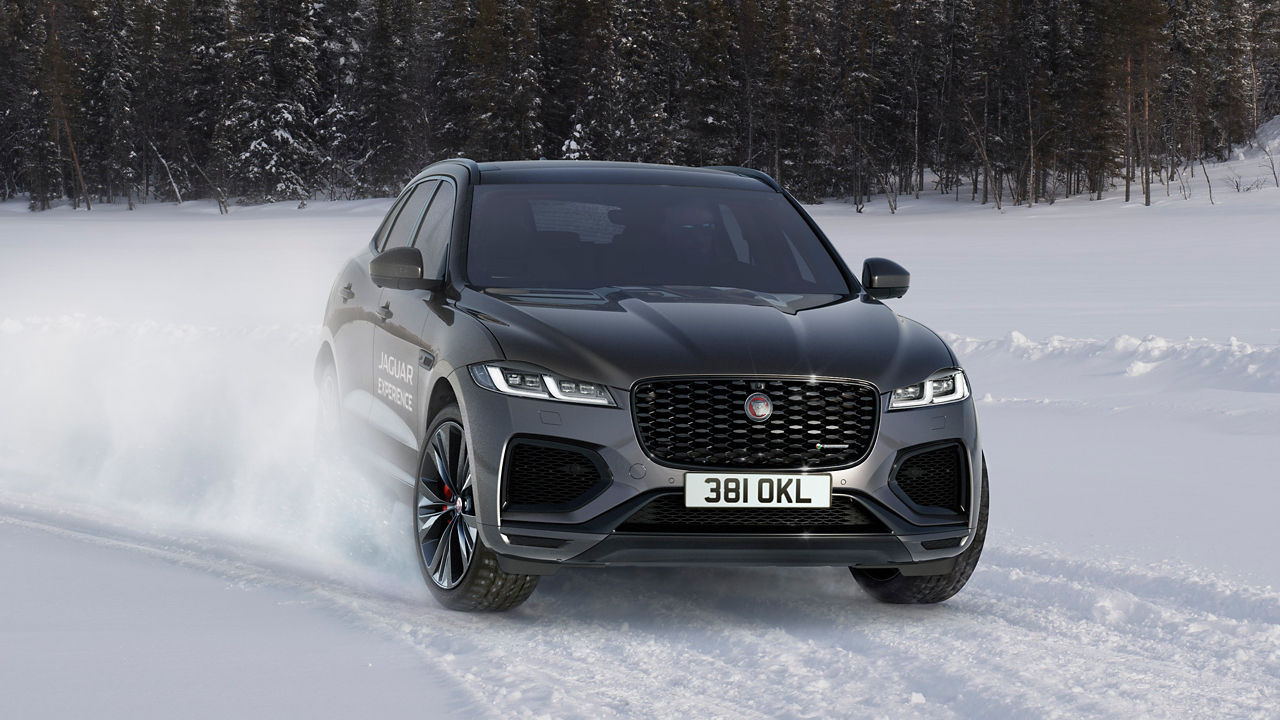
{"x": 1033, "y": 636}
{"x": 156, "y": 428}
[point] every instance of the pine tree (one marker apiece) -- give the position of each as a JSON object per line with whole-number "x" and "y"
{"x": 503, "y": 85}
{"x": 43, "y": 117}
{"x": 14, "y": 94}
{"x": 1228, "y": 72}
{"x": 393, "y": 105}
{"x": 560, "y": 26}
{"x": 778, "y": 126}
{"x": 1263, "y": 61}
{"x": 447, "y": 63}
{"x": 341, "y": 27}
{"x": 111, "y": 154}
{"x": 806, "y": 148}
{"x": 270, "y": 126}
{"x": 857, "y": 61}
{"x": 271, "y": 100}
{"x": 601, "y": 120}
{"x": 711, "y": 94}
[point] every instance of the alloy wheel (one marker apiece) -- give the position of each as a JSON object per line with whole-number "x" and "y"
{"x": 446, "y": 519}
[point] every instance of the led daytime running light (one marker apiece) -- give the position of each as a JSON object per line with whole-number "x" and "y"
{"x": 944, "y": 387}
{"x": 535, "y": 384}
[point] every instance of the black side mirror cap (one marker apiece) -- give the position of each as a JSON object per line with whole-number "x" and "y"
{"x": 401, "y": 269}
{"x": 884, "y": 279}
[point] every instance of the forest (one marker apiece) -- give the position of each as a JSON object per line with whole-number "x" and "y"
{"x": 994, "y": 101}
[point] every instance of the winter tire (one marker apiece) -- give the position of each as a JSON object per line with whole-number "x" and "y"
{"x": 462, "y": 573}
{"x": 891, "y": 586}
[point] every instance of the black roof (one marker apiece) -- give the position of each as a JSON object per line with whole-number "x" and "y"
{"x": 616, "y": 173}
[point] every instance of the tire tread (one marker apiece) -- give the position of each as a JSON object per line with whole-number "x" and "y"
{"x": 487, "y": 588}
{"x": 484, "y": 587}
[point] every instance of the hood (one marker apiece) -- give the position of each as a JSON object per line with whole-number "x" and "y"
{"x": 620, "y": 335}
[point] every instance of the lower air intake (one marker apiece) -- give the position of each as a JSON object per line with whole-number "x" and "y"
{"x": 932, "y": 478}
{"x": 668, "y": 514}
{"x": 542, "y": 476}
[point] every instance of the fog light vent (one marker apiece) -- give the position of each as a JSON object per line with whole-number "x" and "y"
{"x": 544, "y": 476}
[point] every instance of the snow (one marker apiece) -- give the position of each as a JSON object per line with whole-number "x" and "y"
{"x": 87, "y": 636}
{"x": 171, "y": 546}
{"x": 1268, "y": 135}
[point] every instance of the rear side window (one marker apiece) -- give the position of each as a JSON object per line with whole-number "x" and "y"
{"x": 404, "y": 223}
{"x": 433, "y": 236}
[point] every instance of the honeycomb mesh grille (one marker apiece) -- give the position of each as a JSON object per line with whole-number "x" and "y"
{"x": 933, "y": 479}
{"x": 541, "y": 474}
{"x": 669, "y": 514}
{"x": 702, "y": 422}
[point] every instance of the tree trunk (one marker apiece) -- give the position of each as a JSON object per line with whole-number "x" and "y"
{"x": 1031, "y": 144}
{"x": 1253, "y": 74}
{"x": 165, "y": 164}
{"x": 1207, "y": 182}
{"x": 919, "y": 163}
{"x": 1146, "y": 129}
{"x": 1128, "y": 126}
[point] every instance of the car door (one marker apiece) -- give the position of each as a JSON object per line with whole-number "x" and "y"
{"x": 402, "y": 357}
{"x": 351, "y": 319}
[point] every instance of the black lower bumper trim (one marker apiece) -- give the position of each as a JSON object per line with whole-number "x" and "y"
{"x": 626, "y": 549}
{"x": 791, "y": 550}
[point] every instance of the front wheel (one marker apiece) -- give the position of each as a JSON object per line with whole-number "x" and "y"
{"x": 891, "y": 586}
{"x": 462, "y": 573}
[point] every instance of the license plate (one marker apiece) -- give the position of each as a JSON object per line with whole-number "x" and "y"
{"x": 740, "y": 490}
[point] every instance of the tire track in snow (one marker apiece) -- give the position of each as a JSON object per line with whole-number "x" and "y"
{"x": 1034, "y": 635}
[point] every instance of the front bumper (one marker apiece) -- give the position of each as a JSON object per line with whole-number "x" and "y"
{"x": 534, "y": 542}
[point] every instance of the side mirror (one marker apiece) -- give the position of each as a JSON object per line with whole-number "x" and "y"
{"x": 884, "y": 279}
{"x": 401, "y": 268}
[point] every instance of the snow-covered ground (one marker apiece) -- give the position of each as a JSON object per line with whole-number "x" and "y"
{"x": 169, "y": 547}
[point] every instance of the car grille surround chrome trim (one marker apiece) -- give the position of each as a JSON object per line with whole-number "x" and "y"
{"x": 699, "y": 422}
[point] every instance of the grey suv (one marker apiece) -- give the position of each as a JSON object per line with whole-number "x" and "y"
{"x": 581, "y": 364}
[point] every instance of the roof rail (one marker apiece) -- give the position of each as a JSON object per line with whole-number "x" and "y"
{"x": 749, "y": 172}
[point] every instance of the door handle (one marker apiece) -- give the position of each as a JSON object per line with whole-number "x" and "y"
{"x": 346, "y": 292}
{"x": 384, "y": 311}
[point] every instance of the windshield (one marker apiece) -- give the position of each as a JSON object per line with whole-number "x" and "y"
{"x": 591, "y": 236}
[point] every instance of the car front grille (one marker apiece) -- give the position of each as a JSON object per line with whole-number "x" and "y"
{"x": 703, "y": 422}
{"x": 668, "y": 514}
{"x": 542, "y": 475}
{"x": 932, "y": 477}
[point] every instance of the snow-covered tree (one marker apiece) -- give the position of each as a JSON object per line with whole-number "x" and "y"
{"x": 111, "y": 154}
{"x": 391, "y": 122}
{"x": 270, "y": 126}
{"x": 341, "y": 30}
{"x": 263, "y": 99}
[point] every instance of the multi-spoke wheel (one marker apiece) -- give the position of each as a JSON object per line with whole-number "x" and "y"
{"x": 446, "y": 510}
{"x": 462, "y": 573}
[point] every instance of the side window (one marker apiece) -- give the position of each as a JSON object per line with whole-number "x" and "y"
{"x": 402, "y": 227}
{"x": 437, "y": 227}
{"x": 380, "y": 237}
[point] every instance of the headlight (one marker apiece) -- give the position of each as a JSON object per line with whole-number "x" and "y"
{"x": 944, "y": 387}
{"x": 510, "y": 379}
